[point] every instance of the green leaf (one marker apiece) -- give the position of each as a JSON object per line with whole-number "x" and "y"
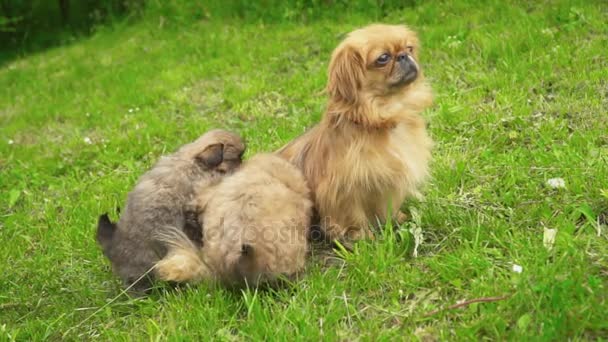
{"x": 13, "y": 197}
{"x": 585, "y": 210}
{"x": 524, "y": 321}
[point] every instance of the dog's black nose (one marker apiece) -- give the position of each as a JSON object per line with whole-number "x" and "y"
{"x": 409, "y": 68}
{"x": 406, "y": 62}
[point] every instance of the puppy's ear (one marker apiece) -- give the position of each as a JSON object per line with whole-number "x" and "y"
{"x": 346, "y": 72}
{"x": 212, "y": 156}
{"x": 105, "y": 231}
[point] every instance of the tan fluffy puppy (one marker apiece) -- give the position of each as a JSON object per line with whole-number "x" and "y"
{"x": 157, "y": 205}
{"x": 371, "y": 149}
{"x": 255, "y": 226}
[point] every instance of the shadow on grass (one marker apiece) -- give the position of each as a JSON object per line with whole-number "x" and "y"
{"x": 30, "y": 27}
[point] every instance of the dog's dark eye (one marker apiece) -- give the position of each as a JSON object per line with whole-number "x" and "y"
{"x": 409, "y": 48}
{"x": 383, "y": 59}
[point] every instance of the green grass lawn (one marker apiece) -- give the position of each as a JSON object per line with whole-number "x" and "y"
{"x": 521, "y": 98}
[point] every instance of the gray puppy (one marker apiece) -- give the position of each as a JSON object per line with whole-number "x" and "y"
{"x": 158, "y": 203}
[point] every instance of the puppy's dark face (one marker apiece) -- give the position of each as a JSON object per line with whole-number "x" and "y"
{"x": 105, "y": 233}
{"x": 130, "y": 263}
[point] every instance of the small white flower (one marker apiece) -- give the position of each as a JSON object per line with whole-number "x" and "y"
{"x": 517, "y": 268}
{"x": 418, "y": 238}
{"x": 415, "y": 230}
{"x": 547, "y": 31}
{"x": 454, "y": 44}
{"x": 130, "y": 110}
{"x": 556, "y": 183}
{"x": 87, "y": 140}
{"x": 10, "y": 141}
{"x": 549, "y": 238}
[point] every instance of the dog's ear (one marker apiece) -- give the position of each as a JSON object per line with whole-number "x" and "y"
{"x": 105, "y": 231}
{"x": 212, "y": 156}
{"x": 345, "y": 74}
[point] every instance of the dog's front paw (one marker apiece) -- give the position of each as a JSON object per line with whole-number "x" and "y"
{"x": 355, "y": 234}
{"x": 401, "y": 217}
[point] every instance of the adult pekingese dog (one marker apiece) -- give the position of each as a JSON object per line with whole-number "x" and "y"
{"x": 255, "y": 225}
{"x": 159, "y": 203}
{"x": 371, "y": 149}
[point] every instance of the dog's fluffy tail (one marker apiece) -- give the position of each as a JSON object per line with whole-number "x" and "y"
{"x": 184, "y": 261}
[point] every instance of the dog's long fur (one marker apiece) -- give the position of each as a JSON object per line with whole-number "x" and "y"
{"x": 255, "y": 224}
{"x": 154, "y": 219}
{"x": 371, "y": 148}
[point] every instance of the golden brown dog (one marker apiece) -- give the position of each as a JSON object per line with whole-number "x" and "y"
{"x": 371, "y": 149}
{"x": 255, "y": 226}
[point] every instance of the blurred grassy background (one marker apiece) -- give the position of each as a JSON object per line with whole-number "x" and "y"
{"x": 91, "y": 102}
{"x": 30, "y": 25}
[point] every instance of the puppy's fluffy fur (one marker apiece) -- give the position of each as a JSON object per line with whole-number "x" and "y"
{"x": 157, "y": 205}
{"x": 371, "y": 148}
{"x": 255, "y": 227}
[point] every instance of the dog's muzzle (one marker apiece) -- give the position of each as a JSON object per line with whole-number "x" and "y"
{"x": 408, "y": 67}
